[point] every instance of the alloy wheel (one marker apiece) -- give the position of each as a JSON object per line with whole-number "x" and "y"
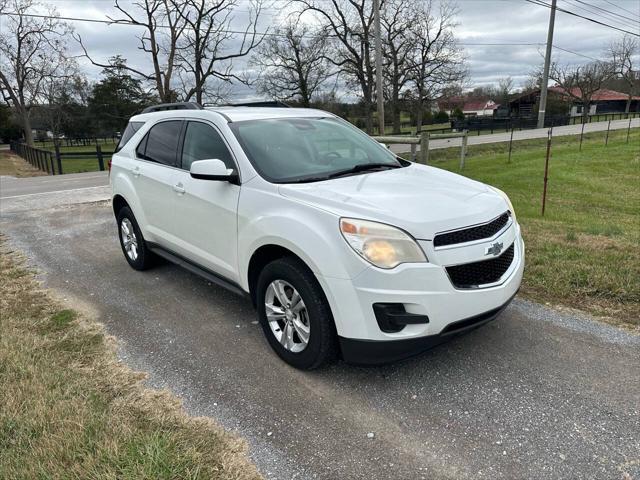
{"x": 287, "y": 316}
{"x": 129, "y": 239}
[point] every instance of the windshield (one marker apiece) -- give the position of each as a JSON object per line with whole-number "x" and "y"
{"x": 285, "y": 150}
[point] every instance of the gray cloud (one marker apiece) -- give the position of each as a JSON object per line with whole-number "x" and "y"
{"x": 480, "y": 21}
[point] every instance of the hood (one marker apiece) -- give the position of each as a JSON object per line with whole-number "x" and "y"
{"x": 419, "y": 199}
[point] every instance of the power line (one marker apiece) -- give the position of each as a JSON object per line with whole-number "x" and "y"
{"x": 597, "y": 7}
{"x": 612, "y": 16}
{"x": 575, "y": 53}
{"x": 111, "y": 22}
{"x": 464, "y": 44}
{"x": 543, "y": 4}
{"x": 624, "y": 9}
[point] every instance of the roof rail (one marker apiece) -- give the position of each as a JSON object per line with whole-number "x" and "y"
{"x": 172, "y": 106}
{"x": 263, "y": 103}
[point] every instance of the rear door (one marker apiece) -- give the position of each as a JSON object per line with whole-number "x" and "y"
{"x": 156, "y": 164}
{"x": 206, "y": 221}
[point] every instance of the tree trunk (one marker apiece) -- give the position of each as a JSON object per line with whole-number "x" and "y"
{"x": 395, "y": 111}
{"x": 419, "y": 117}
{"x": 627, "y": 107}
{"x": 369, "y": 118}
{"x": 26, "y": 125}
{"x": 585, "y": 112}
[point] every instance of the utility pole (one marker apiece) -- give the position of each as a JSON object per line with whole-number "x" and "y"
{"x": 378, "y": 35}
{"x": 547, "y": 64}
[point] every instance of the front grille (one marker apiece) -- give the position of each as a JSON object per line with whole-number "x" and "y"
{"x": 470, "y": 234}
{"x": 471, "y": 275}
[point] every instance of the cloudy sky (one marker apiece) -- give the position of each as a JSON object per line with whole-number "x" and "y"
{"x": 480, "y": 22}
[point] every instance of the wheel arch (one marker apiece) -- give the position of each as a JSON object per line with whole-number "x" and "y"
{"x": 261, "y": 257}
{"x": 118, "y": 203}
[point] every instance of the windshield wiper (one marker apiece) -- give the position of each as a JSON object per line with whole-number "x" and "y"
{"x": 362, "y": 167}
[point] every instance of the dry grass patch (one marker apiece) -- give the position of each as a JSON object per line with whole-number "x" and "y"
{"x": 15, "y": 166}
{"x": 70, "y": 409}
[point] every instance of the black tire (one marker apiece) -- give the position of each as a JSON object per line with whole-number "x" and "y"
{"x": 322, "y": 347}
{"x": 145, "y": 258}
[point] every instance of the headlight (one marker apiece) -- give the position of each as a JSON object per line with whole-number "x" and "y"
{"x": 506, "y": 199}
{"x": 382, "y": 245}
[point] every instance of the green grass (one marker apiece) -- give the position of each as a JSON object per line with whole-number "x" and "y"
{"x": 70, "y": 410}
{"x": 585, "y": 251}
{"x": 87, "y": 163}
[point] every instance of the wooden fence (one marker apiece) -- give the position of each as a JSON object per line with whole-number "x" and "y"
{"x": 423, "y": 140}
{"x": 51, "y": 162}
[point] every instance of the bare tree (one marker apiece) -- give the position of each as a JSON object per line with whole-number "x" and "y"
{"x": 350, "y": 23}
{"x": 622, "y": 54}
{"x": 582, "y": 82}
{"x": 32, "y": 51}
{"x": 505, "y": 87}
{"x": 58, "y": 92}
{"x": 164, "y": 24}
{"x": 293, "y": 62}
{"x": 437, "y": 61}
{"x": 208, "y": 45}
{"x": 397, "y": 46}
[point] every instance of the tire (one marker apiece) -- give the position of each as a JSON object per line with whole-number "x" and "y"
{"x": 313, "y": 312}
{"x": 143, "y": 258}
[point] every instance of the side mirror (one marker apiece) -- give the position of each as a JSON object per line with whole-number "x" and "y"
{"x": 213, "y": 170}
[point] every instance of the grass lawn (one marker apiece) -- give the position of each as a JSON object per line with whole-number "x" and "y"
{"x": 585, "y": 251}
{"x": 81, "y": 164}
{"x": 70, "y": 409}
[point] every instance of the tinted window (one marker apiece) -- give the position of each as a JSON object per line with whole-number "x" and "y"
{"x": 129, "y": 132}
{"x": 141, "y": 146}
{"x": 297, "y": 149}
{"x": 202, "y": 142}
{"x": 162, "y": 143}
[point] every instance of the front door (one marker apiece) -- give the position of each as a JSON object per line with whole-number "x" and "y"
{"x": 205, "y": 211}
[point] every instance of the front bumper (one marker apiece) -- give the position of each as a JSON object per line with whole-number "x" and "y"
{"x": 378, "y": 352}
{"x": 424, "y": 289}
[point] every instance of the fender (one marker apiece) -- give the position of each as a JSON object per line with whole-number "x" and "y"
{"x": 121, "y": 185}
{"x": 324, "y": 252}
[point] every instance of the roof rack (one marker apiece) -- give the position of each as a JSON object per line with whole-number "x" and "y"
{"x": 262, "y": 103}
{"x": 172, "y": 106}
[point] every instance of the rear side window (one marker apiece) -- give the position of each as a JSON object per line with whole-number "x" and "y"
{"x": 129, "y": 132}
{"x": 203, "y": 142}
{"x": 160, "y": 144}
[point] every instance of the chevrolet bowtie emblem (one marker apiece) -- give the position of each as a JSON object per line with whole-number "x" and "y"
{"x": 494, "y": 249}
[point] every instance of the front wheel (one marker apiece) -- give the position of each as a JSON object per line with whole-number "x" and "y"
{"x": 295, "y": 315}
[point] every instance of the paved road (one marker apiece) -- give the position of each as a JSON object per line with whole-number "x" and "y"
{"x": 533, "y": 395}
{"x": 11, "y": 187}
{"x": 523, "y": 135}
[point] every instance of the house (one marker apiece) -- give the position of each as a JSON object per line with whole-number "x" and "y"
{"x": 603, "y": 101}
{"x": 470, "y": 107}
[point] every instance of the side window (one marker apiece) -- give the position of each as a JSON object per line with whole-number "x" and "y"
{"x": 161, "y": 143}
{"x": 132, "y": 128}
{"x": 203, "y": 142}
{"x": 142, "y": 146}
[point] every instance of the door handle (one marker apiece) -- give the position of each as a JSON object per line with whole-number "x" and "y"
{"x": 179, "y": 188}
{"x": 136, "y": 172}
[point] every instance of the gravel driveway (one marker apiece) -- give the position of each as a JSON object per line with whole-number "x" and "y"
{"x": 535, "y": 394}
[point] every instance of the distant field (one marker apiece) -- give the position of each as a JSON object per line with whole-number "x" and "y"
{"x": 585, "y": 251}
{"x": 81, "y": 164}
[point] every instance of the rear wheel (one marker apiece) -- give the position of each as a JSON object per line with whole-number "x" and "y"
{"x": 295, "y": 315}
{"x": 132, "y": 242}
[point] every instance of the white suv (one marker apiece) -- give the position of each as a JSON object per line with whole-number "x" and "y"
{"x": 344, "y": 248}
